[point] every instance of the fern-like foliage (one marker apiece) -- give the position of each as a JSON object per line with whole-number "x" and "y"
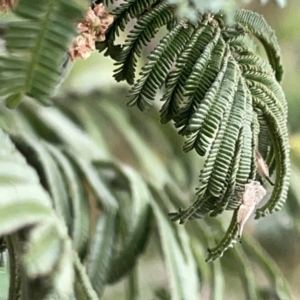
{"x": 37, "y": 44}
{"x": 73, "y": 217}
{"x": 34, "y": 231}
{"x": 102, "y": 212}
{"x": 222, "y": 95}
{"x": 62, "y": 243}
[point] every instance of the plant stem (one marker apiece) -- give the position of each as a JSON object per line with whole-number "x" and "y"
{"x": 132, "y": 290}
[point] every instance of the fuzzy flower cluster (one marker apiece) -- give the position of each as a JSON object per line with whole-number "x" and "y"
{"x": 92, "y": 28}
{"x": 6, "y": 5}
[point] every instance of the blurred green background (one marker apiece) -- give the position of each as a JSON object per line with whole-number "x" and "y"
{"x": 279, "y": 234}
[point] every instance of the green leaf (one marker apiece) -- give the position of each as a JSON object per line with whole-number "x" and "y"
{"x": 256, "y": 24}
{"x": 180, "y": 263}
{"x": 54, "y": 120}
{"x": 270, "y": 268}
{"x": 95, "y": 182}
{"x": 135, "y": 236}
{"x": 48, "y": 171}
{"x": 82, "y": 284}
{"x": 37, "y": 48}
{"x": 246, "y": 273}
{"x": 151, "y": 163}
{"x": 79, "y": 207}
{"x": 143, "y": 32}
{"x": 14, "y": 270}
{"x": 227, "y": 241}
{"x": 99, "y": 259}
{"x": 214, "y": 94}
{"x": 155, "y": 71}
{"x": 43, "y": 246}
{"x": 122, "y": 14}
{"x": 175, "y": 82}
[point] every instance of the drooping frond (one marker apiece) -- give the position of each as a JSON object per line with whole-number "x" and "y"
{"x": 37, "y": 46}
{"x": 61, "y": 173}
{"x": 122, "y": 204}
{"x": 255, "y": 24}
{"x": 144, "y": 30}
{"x": 74, "y": 218}
{"x": 227, "y": 241}
{"x": 224, "y": 98}
{"x": 155, "y": 71}
{"x": 122, "y": 15}
{"x": 35, "y": 233}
